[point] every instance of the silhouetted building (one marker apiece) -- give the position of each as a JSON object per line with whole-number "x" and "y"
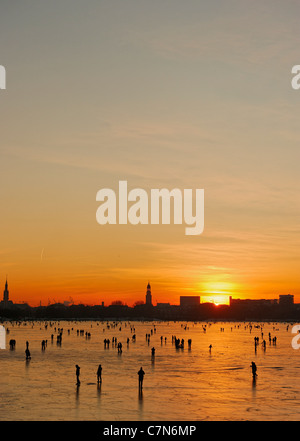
{"x": 6, "y": 303}
{"x": 163, "y": 305}
{"x": 148, "y": 295}
{"x": 252, "y": 302}
{"x": 117, "y": 310}
{"x": 286, "y": 300}
{"x": 189, "y": 301}
{"x": 6, "y": 293}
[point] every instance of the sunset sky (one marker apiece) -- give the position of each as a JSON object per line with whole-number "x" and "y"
{"x": 169, "y": 93}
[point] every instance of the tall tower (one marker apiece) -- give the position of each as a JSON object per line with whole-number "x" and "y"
{"x": 148, "y": 295}
{"x": 5, "y": 294}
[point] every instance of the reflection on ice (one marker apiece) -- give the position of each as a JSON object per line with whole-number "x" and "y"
{"x": 192, "y": 371}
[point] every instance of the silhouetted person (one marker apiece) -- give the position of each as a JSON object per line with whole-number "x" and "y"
{"x": 27, "y": 353}
{"x": 77, "y": 374}
{"x": 141, "y": 374}
{"x": 153, "y": 351}
{"x": 254, "y": 369}
{"x": 59, "y": 339}
{"x": 99, "y": 374}
{"x": 210, "y": 346}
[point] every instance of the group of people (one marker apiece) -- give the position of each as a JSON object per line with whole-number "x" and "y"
{"x": 264, "y": 344}
{"x": 141, "y": 375}
{"x": 99, "y": 374}
{"x": 178, "y": 344}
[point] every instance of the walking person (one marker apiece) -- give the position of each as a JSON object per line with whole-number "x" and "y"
{"x": 99, "y": 374}
{"x": 27, "y": 351}
{"x": 141, "y": 374}
{"x": 77, "y": 374}
{"x": 254, "y": 369}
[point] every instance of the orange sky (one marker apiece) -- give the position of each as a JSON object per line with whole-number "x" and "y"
{"x": 196, "y": 98}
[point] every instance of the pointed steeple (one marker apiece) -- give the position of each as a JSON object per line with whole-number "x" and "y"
{"x": 5, "y": 293}
{"x": 148, "y": 295}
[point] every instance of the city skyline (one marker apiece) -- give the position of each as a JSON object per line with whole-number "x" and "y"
{"x": 195, "y": 299}
{"x": 189, "y": 308}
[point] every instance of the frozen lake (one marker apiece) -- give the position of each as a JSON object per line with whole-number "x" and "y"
{"x": 180, "y": 384}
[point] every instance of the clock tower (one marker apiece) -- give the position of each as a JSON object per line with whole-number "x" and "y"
{"x": 148, "y": 295}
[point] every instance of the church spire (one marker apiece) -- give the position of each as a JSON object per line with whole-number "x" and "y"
{"x": 6, "y": 293}
{"x": 148, "y": 295}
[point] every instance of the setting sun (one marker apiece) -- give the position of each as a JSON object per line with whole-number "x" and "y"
{"x": 216, "y": 292}
{"x": 216, "y": 299}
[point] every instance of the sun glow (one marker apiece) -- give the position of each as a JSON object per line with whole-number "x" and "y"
{"x": 216, "y": 292}
{"x": 217, "y": 299}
